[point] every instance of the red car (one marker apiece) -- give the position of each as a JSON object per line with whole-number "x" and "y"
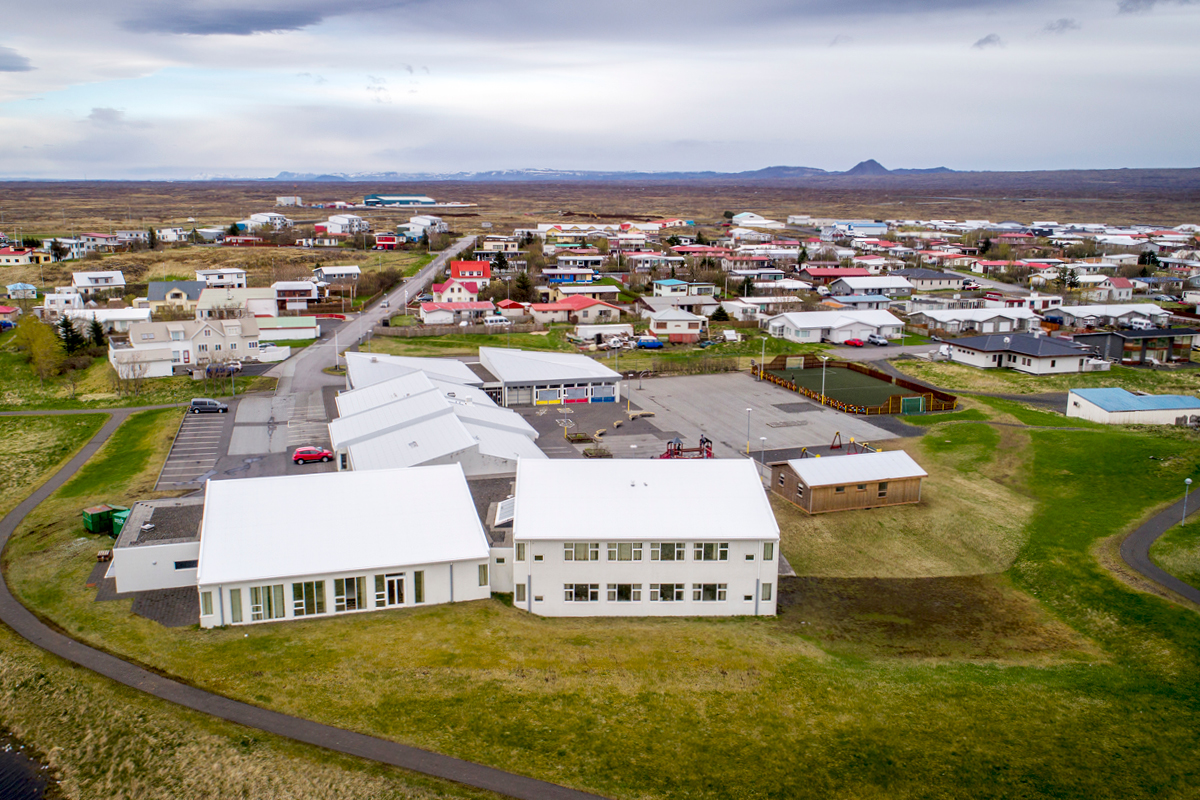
{"x": 305, "y": 455}
{"x": 854, "y": 342}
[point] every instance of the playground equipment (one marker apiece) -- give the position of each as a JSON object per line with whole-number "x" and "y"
{"x": 675, "y": 449}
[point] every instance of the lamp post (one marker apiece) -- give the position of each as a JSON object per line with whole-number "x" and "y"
{"x": 824, "y": 359}
{"x": 748, "y": 410}
{"x": 762, "y": 450}
{"x": 1187, "y": 484}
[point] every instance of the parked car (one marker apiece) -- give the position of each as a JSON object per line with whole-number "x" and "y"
{"x": 1165, "y": 298}
{"x": 649, "y": 344}
{"x": 203, "y": 405}
{"x": 877, "y": 340}
{"x": 823, "y": 291}
{"x": 970, "y": 285}
{"x": 854, "y": 342}
{"x": 224, "y": 368}
{"x": 425, "y": 298}
{"x": 385, "y": 304}
{"x": 308, "y": 454}
{"x": 6, "y": 325}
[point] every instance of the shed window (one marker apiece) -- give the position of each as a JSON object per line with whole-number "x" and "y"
{"x": 781, "y": 479}
{"x": 862, "y": 487}
{"x": 840, "y": 490}
{"x": 883, "y": 488}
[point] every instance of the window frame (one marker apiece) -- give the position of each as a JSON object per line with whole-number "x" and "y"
{"x": 590, "y": 592}
{"x": 719, "y": 550}
{"x": 678, "y": 550}
{"x": 483, "y": 575}
{"x": 719, "y": 592}
{"x": 571, "y": 551}
{"x": 308, "y": 598}
{"x": 341, "y": 595}
{"x": 634, "y": 549}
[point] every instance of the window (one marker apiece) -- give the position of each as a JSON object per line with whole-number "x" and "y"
{"x": 147, "y": 336}
{"x": 1052, "y": 362}
{"x": 189, "y": 564}
{"x": 266, "y": 602}
{"x": 666, "y": 592}
{"x": 883, "y": 488}
{"x": 419, "y": 586}
{"x": 667, "y": 551}
{"x": 483, "y": 576}
{"x": 349, "y": 594}
{"x": 749, "y": 556}
{"x": 862, "y": 487}
{"x": 233, "y": 345}
{"x": 581, "y": 592}
{"x": 537, "y": 558}
{"x": 235, "y": 605}
{"x": 581, "y": 551}
{"x": 840, "y": 490}
{"x": 537, "y": 598}
{"x": 624, "y": 593}
{"x": 253, "y": 345}
{"x": 217, "y": 346}
{"x": 520, "y": 551}
{"x": 519, "y": 593}
{"x": 766, "y": 591}
{"x": 206, "y": 604}
{"x": 203, "y": 348}
{"x": 781, "y": 479}
{"x": 308, "y": 598}
{"x": 710, "y": 551}
{"x": 207, "y": 332}
{"x": 624, "y": 551}
{"x": 708, "y": 592}
{"x": 800, "y": 490}
{"x": 499, "y": 559}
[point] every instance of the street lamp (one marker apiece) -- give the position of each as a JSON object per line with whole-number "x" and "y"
{"x": 748, "y": 410}
{"x": 762, "y": 450}
{"x": 1187, "y": 484}
{"x": 762, "y": 357}
{"x": 824, "y": 359}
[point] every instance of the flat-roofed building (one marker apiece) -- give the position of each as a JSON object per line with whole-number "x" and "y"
{"x": 1113, "y": 406}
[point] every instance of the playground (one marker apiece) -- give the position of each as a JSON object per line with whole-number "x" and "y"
{"x": 848, "y": 386}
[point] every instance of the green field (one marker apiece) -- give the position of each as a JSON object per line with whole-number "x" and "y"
{"x": 842, "y": 384}
{"x": 1178, "y": 552}
{"x": 960, "y": 378}
{"x": 971, "y": 648}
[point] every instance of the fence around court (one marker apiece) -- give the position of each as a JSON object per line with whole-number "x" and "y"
{"x": 930, "y": 399}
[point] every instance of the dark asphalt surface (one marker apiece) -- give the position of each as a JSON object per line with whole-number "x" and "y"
{"x": 19, "y": 618}
{"x": 1135, "y": 550}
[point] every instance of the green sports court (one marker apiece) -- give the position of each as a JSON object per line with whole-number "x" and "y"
{"x": 846, "y": 385}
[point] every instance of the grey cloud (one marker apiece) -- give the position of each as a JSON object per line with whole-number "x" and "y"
{"x": 102, "y": 117}
{"x": 183, "y": 19}
{"x": 840, "y": 40}
{"x": 991, "y": 40}
{"x": 408, "y": 68}
{"x": 1135, "y": 6}
{"x": 1061, "y": 26}
{"x": 12, "y": 61}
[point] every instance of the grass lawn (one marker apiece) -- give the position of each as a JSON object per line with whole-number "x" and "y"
{"x": 34, "y": 447}
{"x": 20, "y": 389}
{"x": 971, "y": 646}
{"x": 912, "y": 339}
{"x": 1178, "y": 552}
{"x": 960, "y": 378}
{"x": 295, "y": 344}
{"x": 463, "y": 344}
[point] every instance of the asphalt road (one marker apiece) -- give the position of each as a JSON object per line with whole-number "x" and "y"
{"x": 29, "y": 627}
{"x": 1135, "y": 550}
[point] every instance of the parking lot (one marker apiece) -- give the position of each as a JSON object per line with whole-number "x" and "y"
{"x": 200, "y": 442}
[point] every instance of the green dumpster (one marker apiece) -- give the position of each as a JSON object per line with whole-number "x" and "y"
{"x": 119, "y": 517}
{"x": 98, "y": 519}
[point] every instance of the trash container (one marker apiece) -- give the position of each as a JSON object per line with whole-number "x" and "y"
{"x": 118, "y": 520}
{"x": 98, "y": 519}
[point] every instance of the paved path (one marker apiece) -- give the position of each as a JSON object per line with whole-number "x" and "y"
{"x": 19, "y": 618}
{"x": 1135, "y": 550}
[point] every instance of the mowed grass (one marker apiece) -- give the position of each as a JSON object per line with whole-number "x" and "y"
{"x": 34, "y": 447}
{"x": 960, "y": 378}
{"x": 1178, "y": 552}
{"x": 126, "y": 454}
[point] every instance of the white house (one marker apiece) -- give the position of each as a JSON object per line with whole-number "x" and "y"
{"x": 1024, "y": 352}
{"x": 55, "y": 303}
{"x": 1114, "y": 406}
{"x": 345, "y": 273}
{"x": 343, "y": 224}
{"x": 810, "y": 327}
{"x": 267, "y": 553}
{"x": 889, "y": 285}
{"x": 88, "y": 283}
{"x": 117, "y": 320}
{"x": 930, "y": 279}
{"x": 268, "y": 219}
{"x": 1093, "y": 315}
{"x": 980, "y": 320}
{"x": 227, "y": 303}
{"x": 294, "y": 295}
{"x": 223, "y": 278}
{"x": 455, "y": 291}
{"x": 677, "y": 326}
{"x": 155, "y": 349}
{"x": 687, "y": 554}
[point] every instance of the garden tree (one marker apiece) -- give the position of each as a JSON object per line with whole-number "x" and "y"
{"x": 720, "y": 315}
{"x": 500, "y": 262}
{"x": 747, "y": 287}
{"x": 58, "y": 250}
{"x": 728, "y": 215}
{"x": 153, "y": 239}
{"x": 701, "y": 238}
{"x": 72, "y": 339}
{"x": 523, "y": 289}
{"x": 802, "y": 256}
{"x": 602, "y": 246}
{"x": 672, "y": 241}
{"x": 985, "y": 246}
{"x": 31, "y": 242}
{"x": 233, "y": 229}
{"x": 1147, "y": 258}
{"x": 96, "y": 333}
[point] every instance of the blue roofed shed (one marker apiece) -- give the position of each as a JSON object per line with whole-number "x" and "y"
{"x": 1115, "y": 406}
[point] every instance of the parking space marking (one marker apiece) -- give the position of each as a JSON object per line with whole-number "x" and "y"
{"x": 194, "y": 452}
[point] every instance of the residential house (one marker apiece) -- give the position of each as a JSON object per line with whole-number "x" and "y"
{"x": 858, "y": 301}
{"x": 553, "y": 275}
{"x": 1111, "y": 290}
{"x": 294, "y": 295}
{"x": 670, "y": 287}
{"x": 1093, "y": 316}
{"x": 811, "y": 327}
{"x": 1153, "y": 346}
{"x": 678, "y": 327}
{"x": 479, "y": 272}
{"x": 452, "y": 313}
{"x": 926, "y": 280}
{"x": 1024, "y": 352}
{"x": 223, "y": 278}
{"x": 266, "y": 553}
{"x": 19, "y": 256}
{"x": 579, "y": 261}
{"x": 229, "y": 303}
{"x": 388, "y": 241}
{"x": 455, "y": 291}
{"x": 89, "y": 283}
{"x": 694, "y": 304}
{"x": 21, "y": 291}
{"x": 100, "y": 242}
{"x": 823, "y": 276}
{"x": 345, "y": 273}
{"x": 891, "y": 286}
{"x": 977, "y": 320}
{"x": 156, "y": 349}
{"x": 267, "y": 219}
{"x": 847, "y": 482}
{"x": 588, "y": 310}
{"x": 719, "y": 560}
{"x": 605, "y": 291}
{"x": 645, "y": 262}
{"x": 9, "y": 313}
{"x": 180, "y": 297}
{"x": 342, "y": 225}
{"x": 500, "y": 244}
{"x": 55, "y": 303}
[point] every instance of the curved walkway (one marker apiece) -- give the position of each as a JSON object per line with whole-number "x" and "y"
{"x": 1135, "y": 550}
{"x": 19, "y": 618}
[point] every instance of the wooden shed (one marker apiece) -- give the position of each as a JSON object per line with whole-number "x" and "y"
{"x": 842, "y": 483}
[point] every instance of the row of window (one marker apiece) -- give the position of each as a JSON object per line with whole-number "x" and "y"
{"x": 632, "y": 593}
{"x": 308, "y": 597}
{"x": 861, "y": 487}
{"x": 659, "y": 551}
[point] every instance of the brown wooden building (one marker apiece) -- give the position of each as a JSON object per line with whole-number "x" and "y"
{"x": 842, "y": 483}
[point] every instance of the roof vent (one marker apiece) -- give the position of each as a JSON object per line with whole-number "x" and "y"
{"x": 374, "y": 360}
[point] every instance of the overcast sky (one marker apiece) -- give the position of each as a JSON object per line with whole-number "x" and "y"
{"x": 151, "y": 89}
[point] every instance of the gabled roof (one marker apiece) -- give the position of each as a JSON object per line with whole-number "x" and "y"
{"x": 802, "y": 320}
{"x": 866, "y": 284}
{"x": 675, "y": 315}
{"x": 579, "y": 302}
{"x": 158, "y": 290}
{"x": 366, "y": 369}
{"x": 889, "y": 465}
{"x": 837, "y": 272}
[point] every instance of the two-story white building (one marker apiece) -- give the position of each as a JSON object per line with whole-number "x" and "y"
{"x": 156, "y": 349}
{"x": 344, "y": 273}
{"x": 343, "y": 225}
{"x": 674, "y": 549}
{"x": 89, "y": 283}
{"x": 223, "y": 278}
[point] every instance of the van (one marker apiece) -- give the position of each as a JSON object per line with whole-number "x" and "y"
{"x": 1140, "y": 324}
{"x": 203, "y": 405}
{"x": 496, "y": 321}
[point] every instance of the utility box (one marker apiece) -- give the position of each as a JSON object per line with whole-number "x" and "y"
{"x": 98, "y": 519}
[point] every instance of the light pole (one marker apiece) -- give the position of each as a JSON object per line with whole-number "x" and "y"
{"x": 1187, "y": 484}
{"x": 748, "y": 410}
{"x": 824, "y": 359}
{"x": 762, "y": 450}
{"x": 762, "y": 357}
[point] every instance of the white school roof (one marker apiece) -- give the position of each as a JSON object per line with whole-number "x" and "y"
{"x": 263, "y": 529}
{"x": 890, "y": 465}
{"x": 673, "y": 500}
{"x": 358, "y": 400}
{"x": 875, "y": 317}
{"x": 365, "y": 369}
{"x": 514, "y": 366}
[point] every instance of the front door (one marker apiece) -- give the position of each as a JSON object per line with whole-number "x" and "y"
{"x": 395, "y": 590}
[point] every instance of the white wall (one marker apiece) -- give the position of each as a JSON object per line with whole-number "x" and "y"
{"x": 1084, "y": 409}
{"x": 502, "y": 569}
{"x": 152, "y": 566}
{"x": 1035, "y": 366}
{"x": 546, "y": 579}
{"x": 283, "y": 334}
{"x": 437, "y": 590}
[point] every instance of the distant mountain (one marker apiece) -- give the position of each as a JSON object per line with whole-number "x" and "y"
{"x": 868, "y": 167}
